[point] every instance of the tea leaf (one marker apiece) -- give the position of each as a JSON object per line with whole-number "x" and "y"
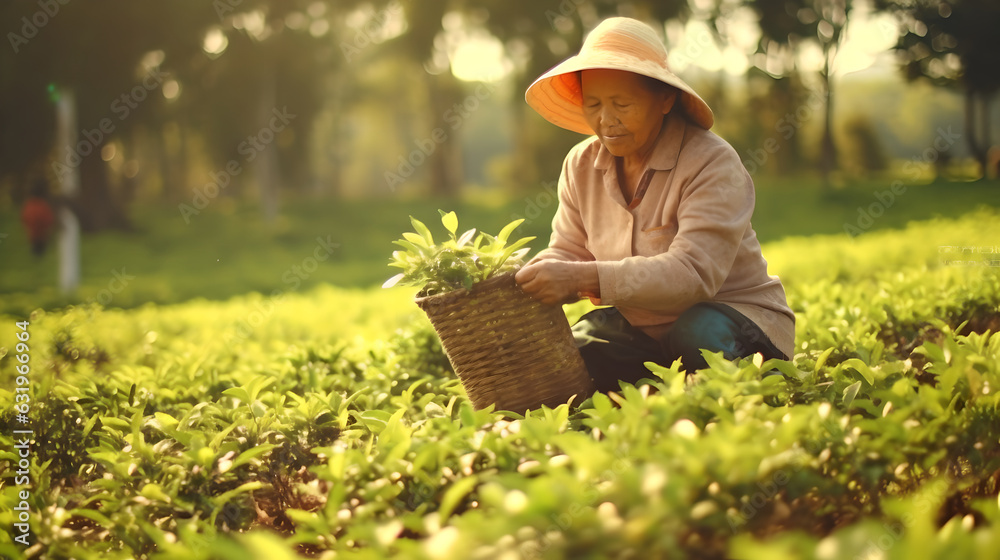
{"x": 454, "y": 495}
{"x": 251, "y": 453}
{"x": 508, "y": 229}
{"x": 423, "y": 231}
{"x": 453, "y": 264}
{"x": 154, "y": 492}
{"x": 394, "y": 280}
{"x": 466, "y": 238}
{"x": 221, "y": 499}
{"x": 416, "y": 240}
{"x": 849, "y": 394}
{"x": 450, "y": 221}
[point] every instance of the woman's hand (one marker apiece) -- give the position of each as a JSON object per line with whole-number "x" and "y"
{"x": 559, "y": 282}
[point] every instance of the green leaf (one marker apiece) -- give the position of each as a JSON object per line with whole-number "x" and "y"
{"x": 467, "y": 415}
{"x": 514, "y": 247}
{"x": 508, "y": 229}
{"x": 849, "y": 393}
{"x": 410, "y": 247}
{"x": 422, "y": 230}
{"x": 454, "y": 495}
{"x": 466, "y": 237}
{"x": 167, "y": 422}
{"x": 375, "y": 420}
{"x": 249, "y": 454}
{"x": 154, "y": 492}
{"x": 862, "y": 368}
{"x": 217, "y": 439}
{"x": 450, "y": 221}
{"x": 821, "y": 360}
{"x": 257, "y": 384}
{"x": 221, "y": 499}
{"x": 238, "y": 393}
{"x": 415, "y": 239}
{"x": 394, "y": 280}
{"x": 90, "y": 425}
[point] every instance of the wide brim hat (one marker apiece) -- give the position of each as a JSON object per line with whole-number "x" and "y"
{"x": 618, "y": 43}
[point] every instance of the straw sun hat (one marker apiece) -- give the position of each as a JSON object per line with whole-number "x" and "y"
{"x": 619, "y": 44}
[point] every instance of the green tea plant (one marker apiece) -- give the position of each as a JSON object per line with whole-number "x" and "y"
{"x": 459, "y": 262}
{"x": 189, "y": 432}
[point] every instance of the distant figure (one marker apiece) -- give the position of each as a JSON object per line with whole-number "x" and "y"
{"x": 37, "y": 217}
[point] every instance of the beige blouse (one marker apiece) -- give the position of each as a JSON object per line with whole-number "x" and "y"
{"x": 686, "y": 239}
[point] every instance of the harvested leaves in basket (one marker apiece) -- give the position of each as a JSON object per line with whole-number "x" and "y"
{"x": 458, "y": 262}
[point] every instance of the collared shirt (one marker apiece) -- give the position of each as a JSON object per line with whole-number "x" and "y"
{"x": 685, "y": 240}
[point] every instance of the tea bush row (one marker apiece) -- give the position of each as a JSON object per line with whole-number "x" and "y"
{"x": 328, "y": 424}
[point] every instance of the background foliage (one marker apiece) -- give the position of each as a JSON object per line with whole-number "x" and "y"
{"x": 379, "y": 109}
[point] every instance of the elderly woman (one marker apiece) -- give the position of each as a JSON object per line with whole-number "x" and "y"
{"x": 653, "y": 218}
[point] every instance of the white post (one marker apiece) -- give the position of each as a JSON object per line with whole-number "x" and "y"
{"x": 69, "y": 179}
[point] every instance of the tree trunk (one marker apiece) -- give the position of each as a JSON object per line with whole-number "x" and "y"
{"x": 173, "y": 172}
{"x": 97, "y": 207}
{"x": 828, "y": 150}
{"x": 268, "y": 174}
{"x": 976, "y": 147}
{"x": 69, "y": 228}
{"x": 450, "y": 111}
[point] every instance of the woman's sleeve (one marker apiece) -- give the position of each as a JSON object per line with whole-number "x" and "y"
{"x": 713, "y": 215}
{"x": 569, "y": 239}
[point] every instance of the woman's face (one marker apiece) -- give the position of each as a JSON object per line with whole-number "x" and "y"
{"x": 624, "y": 109}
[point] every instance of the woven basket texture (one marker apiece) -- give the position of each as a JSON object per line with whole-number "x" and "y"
{"x": 507, "y": 348}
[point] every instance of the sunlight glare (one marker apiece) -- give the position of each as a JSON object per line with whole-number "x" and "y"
{"x": 696, "y": 48}
{"x": 480, "y": 59}
{"x": 866, "y": 37}
{"x": 215, "y": 41}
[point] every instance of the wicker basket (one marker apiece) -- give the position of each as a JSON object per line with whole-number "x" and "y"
{"x": 507, "y": 348}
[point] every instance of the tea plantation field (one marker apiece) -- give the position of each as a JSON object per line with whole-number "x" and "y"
{"x": 327, "y": 424}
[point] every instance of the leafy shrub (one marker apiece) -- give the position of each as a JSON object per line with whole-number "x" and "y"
{"x": 197, "y": 438}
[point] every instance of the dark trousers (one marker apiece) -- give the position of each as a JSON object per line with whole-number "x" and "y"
{"x": 614, "y": 350}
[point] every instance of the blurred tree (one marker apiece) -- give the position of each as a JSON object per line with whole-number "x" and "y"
{"x": 954, "y": 43}
{"x": 537, "y": 35}
{"x": 258, "y": 94}
{"x": 789, "y": 24}
{"x": 109, "y": 54}
{"x": 417, "y": 45}
{"x": 864, "y": 153}
{"x": 240, "y": 75}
